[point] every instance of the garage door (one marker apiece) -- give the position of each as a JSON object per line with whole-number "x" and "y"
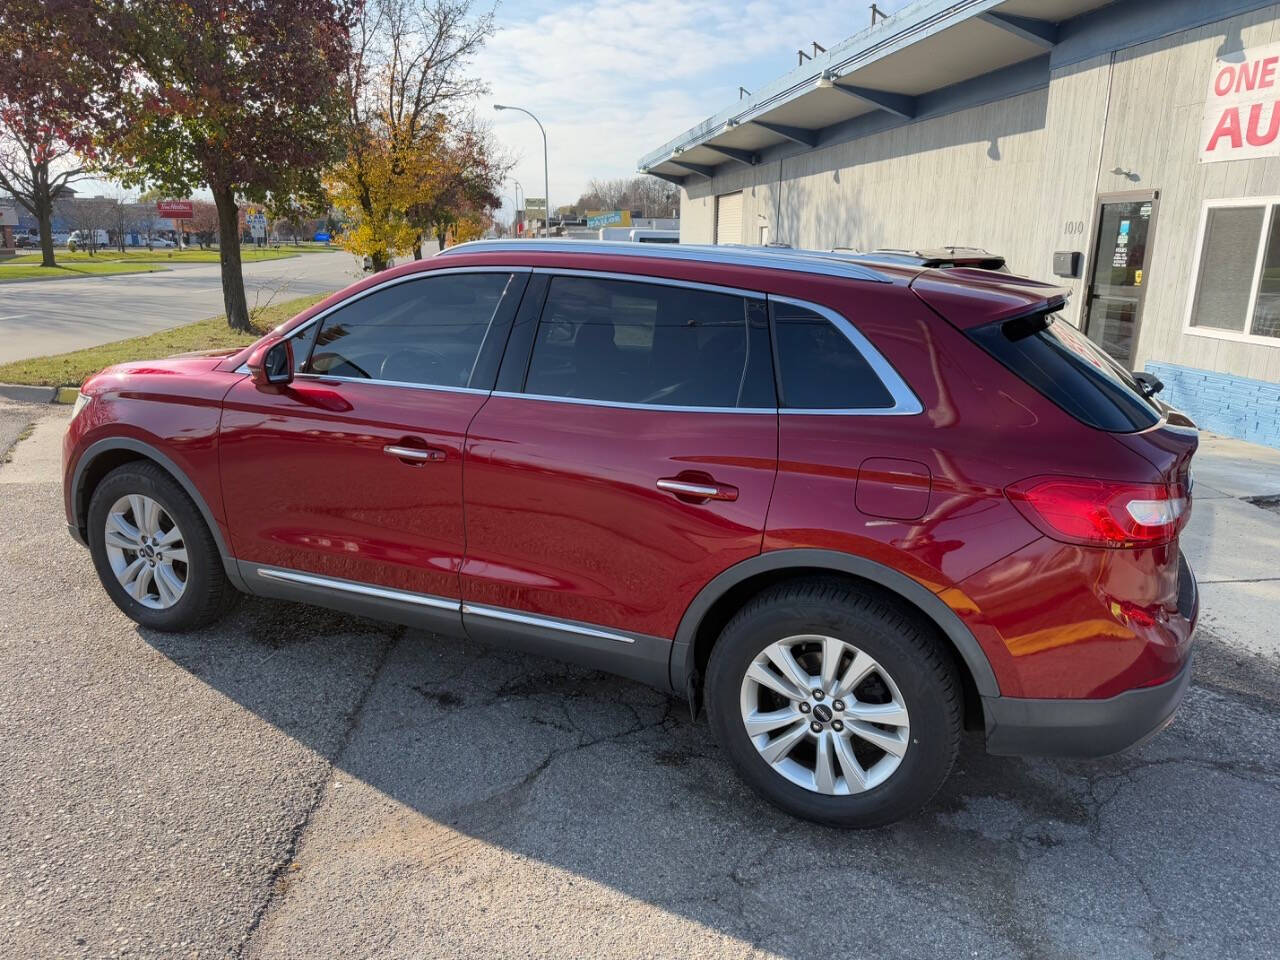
{"x": 729, "y": 218}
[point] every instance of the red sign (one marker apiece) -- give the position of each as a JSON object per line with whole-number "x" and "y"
{"x": 175, "y": 209}
{"x": 1242, "y": 107}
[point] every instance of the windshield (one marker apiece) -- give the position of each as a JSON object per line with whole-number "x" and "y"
{"x": 1071, "y": 370}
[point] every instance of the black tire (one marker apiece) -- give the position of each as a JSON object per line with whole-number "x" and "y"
{"x": 208, "y": 594}
{"x": 899, "y": 641}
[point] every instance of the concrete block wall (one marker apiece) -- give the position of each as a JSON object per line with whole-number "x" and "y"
{"x": 1223, "y": 403}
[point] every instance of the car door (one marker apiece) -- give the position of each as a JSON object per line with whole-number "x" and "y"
{"x": 626, "y": 458}
{"x": 353, "y": 471}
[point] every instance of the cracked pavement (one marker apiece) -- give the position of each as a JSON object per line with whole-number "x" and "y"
{"x": 295, "y": 783}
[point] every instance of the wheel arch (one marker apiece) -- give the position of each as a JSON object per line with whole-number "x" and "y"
{"x": 106, "y": 455}
{"x": 719, "y": 599}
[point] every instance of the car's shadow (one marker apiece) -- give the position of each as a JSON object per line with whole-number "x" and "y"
{"x": 612, "y": 782}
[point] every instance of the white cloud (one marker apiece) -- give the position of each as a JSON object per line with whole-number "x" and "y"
{"x": 613, "y": 79}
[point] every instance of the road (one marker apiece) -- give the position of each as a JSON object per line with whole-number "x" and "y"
{"x": 53, "y": 316}
{"x": 294, "y": 783}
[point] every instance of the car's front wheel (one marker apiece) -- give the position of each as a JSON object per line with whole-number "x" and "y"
{"x": 834, "y": 704}
{"x": 153, "y": 551}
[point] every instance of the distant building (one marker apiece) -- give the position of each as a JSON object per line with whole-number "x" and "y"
{"x": 8, "y": 222}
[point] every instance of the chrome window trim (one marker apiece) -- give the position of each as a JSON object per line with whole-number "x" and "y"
{"x": 320, "y": 377}
{"x": 565, "y": 626}
{"x": 554, "y": 272}
{"x": 795, "y": 261}
{"x": 623, "y": 405}
{"x": 362, "y": 589}
{"x": 905, "y": 402}
{"x": 440, "y": 603}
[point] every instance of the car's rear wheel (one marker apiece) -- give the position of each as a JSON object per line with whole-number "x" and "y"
{"x": 153, "y": 551}
{"x": 835, "y": 704}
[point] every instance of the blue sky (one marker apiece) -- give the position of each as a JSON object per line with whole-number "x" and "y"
{"x": 613, "y": 79}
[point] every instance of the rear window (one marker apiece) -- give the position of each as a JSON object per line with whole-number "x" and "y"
{"x": 1068, "y": 368}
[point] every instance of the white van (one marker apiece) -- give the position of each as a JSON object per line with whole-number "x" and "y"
{"x": 80, "y": 239}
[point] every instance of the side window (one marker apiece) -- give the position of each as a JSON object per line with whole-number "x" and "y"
{"x": 647, "y": 343}
{"x": 426, "y": 332}
{"x": 819, "y": 368}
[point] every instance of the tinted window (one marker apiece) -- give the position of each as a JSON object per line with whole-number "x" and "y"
{"x": 1069, "y": 369}
{"x": 426, "y": 331}
{"x": 819, "y": 368}
{"x": 646, "y": 343}
{"x": 302, "y": 346}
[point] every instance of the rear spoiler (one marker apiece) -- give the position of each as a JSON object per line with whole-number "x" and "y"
{"x": 969, "y": 298}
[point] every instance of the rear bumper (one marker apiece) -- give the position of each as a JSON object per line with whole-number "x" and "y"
{"x": 1082, "y": 728}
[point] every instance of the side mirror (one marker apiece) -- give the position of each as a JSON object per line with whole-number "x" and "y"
{"x": 271, "y": 363}
{"x": 1148, "y": 382}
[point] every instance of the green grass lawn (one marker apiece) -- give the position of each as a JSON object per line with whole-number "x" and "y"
{"x": 10, "y": 271}
{"x": 66, "y": 369}
{"x": 171, "y": 255}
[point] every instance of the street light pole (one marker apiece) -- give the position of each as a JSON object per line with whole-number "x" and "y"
{"x": 546, "y": 172}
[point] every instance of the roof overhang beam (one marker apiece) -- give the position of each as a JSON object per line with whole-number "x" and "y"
{"x": 733, "y": 153}
{"x": 696, "y": 168}
{"x": 1042, "y": 33}
{"x": 801, "y": 135}
{"x": 899, "y": 104}
{"x": 669, "y": 177}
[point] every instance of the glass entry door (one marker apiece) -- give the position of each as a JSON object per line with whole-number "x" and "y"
{"x": 1118, "y": 279}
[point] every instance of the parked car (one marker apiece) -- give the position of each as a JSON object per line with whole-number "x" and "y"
{"x": 851, "y": 508}
{"x": 26, "y": 241}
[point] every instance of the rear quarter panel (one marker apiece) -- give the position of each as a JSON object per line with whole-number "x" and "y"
{"x": 981, "y": 429}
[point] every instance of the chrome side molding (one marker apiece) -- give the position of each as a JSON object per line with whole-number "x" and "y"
{"x": 362, "y": 589}
{"x": 564, "y": 626}
{"x": 441, "y": 603}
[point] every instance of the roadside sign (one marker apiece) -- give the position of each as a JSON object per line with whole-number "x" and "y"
{"x": 535, "y": 208}
{"x": 608, "y": 218}
{"x": 257, "y": 221}
{"x": 175, "y": 209}
{"x": 322, "y": 238}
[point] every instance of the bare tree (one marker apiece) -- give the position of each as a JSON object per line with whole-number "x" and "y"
{"x": 648, "y": 195}
{"x": 147, "y": 219}
{"x": 89, "y": 215}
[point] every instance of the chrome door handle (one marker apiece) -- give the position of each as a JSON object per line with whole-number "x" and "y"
{"x": 413, "y": 453}
{"x": 701, "y": 491}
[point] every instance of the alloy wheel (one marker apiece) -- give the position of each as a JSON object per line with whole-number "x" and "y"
{"x": 146, "y": 551}
{"x": 824, "y": 714}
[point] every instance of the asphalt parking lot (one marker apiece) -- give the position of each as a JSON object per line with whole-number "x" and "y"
{"x": 87, "y": 311}
{"x": 293, "y": 783}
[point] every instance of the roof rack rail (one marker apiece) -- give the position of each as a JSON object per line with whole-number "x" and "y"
{"x": 769, "y": 258}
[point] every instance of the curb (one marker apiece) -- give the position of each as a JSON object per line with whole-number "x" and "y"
{"x": 27, "y": 394}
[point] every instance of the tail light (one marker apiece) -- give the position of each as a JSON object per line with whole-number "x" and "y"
{"x": 1102, "y": 513}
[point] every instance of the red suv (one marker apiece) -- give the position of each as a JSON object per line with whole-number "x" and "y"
{"x": 851, "y": 507}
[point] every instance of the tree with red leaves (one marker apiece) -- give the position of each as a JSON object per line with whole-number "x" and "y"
{"x": 45, "y": 104}
{"x": 240, "y": 96}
